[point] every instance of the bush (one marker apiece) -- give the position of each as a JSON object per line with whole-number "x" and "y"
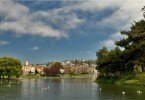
{"x": 107, "y": 79}
{"x": 54, "y": 70}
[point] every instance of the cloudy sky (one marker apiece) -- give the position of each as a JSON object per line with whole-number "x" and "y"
{"x": 41, "y": 31}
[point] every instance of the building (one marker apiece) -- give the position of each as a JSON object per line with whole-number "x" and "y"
{"x": 40, "y": 69}
{"x": 28, "y": 68}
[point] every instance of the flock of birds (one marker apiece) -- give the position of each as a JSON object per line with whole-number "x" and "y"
{"x": 9, "y": 83}
{"x": 46, "y": 88}
{"x": 138, "y": 92}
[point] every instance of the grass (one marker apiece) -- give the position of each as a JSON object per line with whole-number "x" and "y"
{"x": 76, "y": 76}
{"x": 30, "y": 76}
{"x": 61, "y": 76}
{"x": 107, "y": 79}
{"x": 127, "y": 79}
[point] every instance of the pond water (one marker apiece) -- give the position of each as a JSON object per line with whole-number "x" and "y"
{"x": 67, "y": 89}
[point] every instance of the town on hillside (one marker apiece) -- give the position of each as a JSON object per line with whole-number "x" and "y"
{"x": 71, "y": 67}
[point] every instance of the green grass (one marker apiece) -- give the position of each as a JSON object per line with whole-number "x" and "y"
{"x": 76, "y": 76}
{"x": 107, "y": 79}
{"x": 127, "y": 79}
{"x": 61, "y": 76}
{"x": 30, "y": 77}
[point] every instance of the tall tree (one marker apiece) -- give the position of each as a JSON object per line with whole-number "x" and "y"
{"x": 102, "y": 60}
{"x": 54, "y": 70}
{"x": 109, "y": 62}
{"x": 10, "y": 67}
{"x": 134, "y": 45}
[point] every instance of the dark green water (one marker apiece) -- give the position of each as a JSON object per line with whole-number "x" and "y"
{"x": 67, "y": 89}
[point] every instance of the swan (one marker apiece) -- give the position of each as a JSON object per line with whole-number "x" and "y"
{"x": 123, "y": 92}
{"x": 139, "y": 92}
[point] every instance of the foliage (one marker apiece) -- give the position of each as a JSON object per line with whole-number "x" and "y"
{"x": 54, "y": 70}
{"x": 107, "y": 79}
{"x": 108, "y": 62}
{"x": 131, "y": 59}
{"x": 10, "y": 67}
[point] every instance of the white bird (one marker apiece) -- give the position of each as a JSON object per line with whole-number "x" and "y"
{"x": 100, "y": 89}
{"x": 48, "y": 87}
{"x": 123, "y": 92}
{"x": 1, "y": 82}
{"x": 139, "y": 92}
{"x": 93, "y": 84}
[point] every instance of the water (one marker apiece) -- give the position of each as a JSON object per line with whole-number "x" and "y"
{"x": 67, "y": 89}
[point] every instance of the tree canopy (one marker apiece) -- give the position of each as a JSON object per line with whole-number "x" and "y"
{"x": 54, "y": 70}
{"x": 117, "y": 61}
{"x": 10, "y": 66}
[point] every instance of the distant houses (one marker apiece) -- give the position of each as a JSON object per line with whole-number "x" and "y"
{"x": 32, "y": 68}
{"x": 79, "y": 66}
{"x": 67, "y": 67}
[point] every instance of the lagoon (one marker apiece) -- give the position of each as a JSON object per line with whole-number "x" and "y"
{"x": 67, "y": 89}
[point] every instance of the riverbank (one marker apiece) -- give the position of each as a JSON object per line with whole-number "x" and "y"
{"x": 128, "y": 79}
{"x": 87, "y": 76}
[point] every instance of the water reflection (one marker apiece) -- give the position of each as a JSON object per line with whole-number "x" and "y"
{"x": 67, "y": 89}
{"x": 10, "y": 90}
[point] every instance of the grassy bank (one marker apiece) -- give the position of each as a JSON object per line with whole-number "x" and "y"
{"x": 30, "y": 76}
{"x": 76, "y": 76}
{"x": 61, "y": 76}
{"x": 128, "y": 79}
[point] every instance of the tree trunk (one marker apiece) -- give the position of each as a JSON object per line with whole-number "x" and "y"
{"x": 8, "y": 77}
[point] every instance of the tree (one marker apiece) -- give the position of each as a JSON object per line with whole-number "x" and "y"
{"x": 102, "y": 60}
{"x": 131, "y": 59}
{"x": 143, "y": 9}
{"x": 54, "y": 70}
{"x": 108, "y": 62}
{"x": 10, "y": 66}
{"x": 134, "y": 45}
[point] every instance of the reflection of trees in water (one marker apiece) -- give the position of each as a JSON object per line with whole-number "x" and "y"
{"x": 113, "y": 92}
{"x": 32, "y": 89}
{"x": 10, "y": 90}
{"x": 56, "y": 88}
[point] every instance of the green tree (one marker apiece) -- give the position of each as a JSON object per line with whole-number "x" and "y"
{"x": 54, "y": 70}
{"x": 134, "y": 45}
{"x": 131, "y": 59}
{"x": 114, "y": 62}
{"x": 108, "y": 62}
{"x": 102, "y": 60}
{"x": 10, "y": 66}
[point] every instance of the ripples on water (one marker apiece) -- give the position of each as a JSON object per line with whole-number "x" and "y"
{"x": 67, "y": 89}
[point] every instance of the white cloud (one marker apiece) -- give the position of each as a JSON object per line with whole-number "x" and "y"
{"x": 128, "y": 11}
{"x": 108, "y": 43}
{"x": 2, "y": 42}
{"x": 19, "y": 19}
{"x": 35, "y": 48}
{"x": 99, "y": 5}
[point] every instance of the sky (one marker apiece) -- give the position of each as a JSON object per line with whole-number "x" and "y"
{"x": 39, "y": 31}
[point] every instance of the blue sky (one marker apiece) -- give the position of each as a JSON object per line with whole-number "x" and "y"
{"x": 41, "y": 31}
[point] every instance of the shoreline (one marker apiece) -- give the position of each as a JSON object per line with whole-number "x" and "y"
{"x": 129, "y": 79}
{"x": 57, "y": 77}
